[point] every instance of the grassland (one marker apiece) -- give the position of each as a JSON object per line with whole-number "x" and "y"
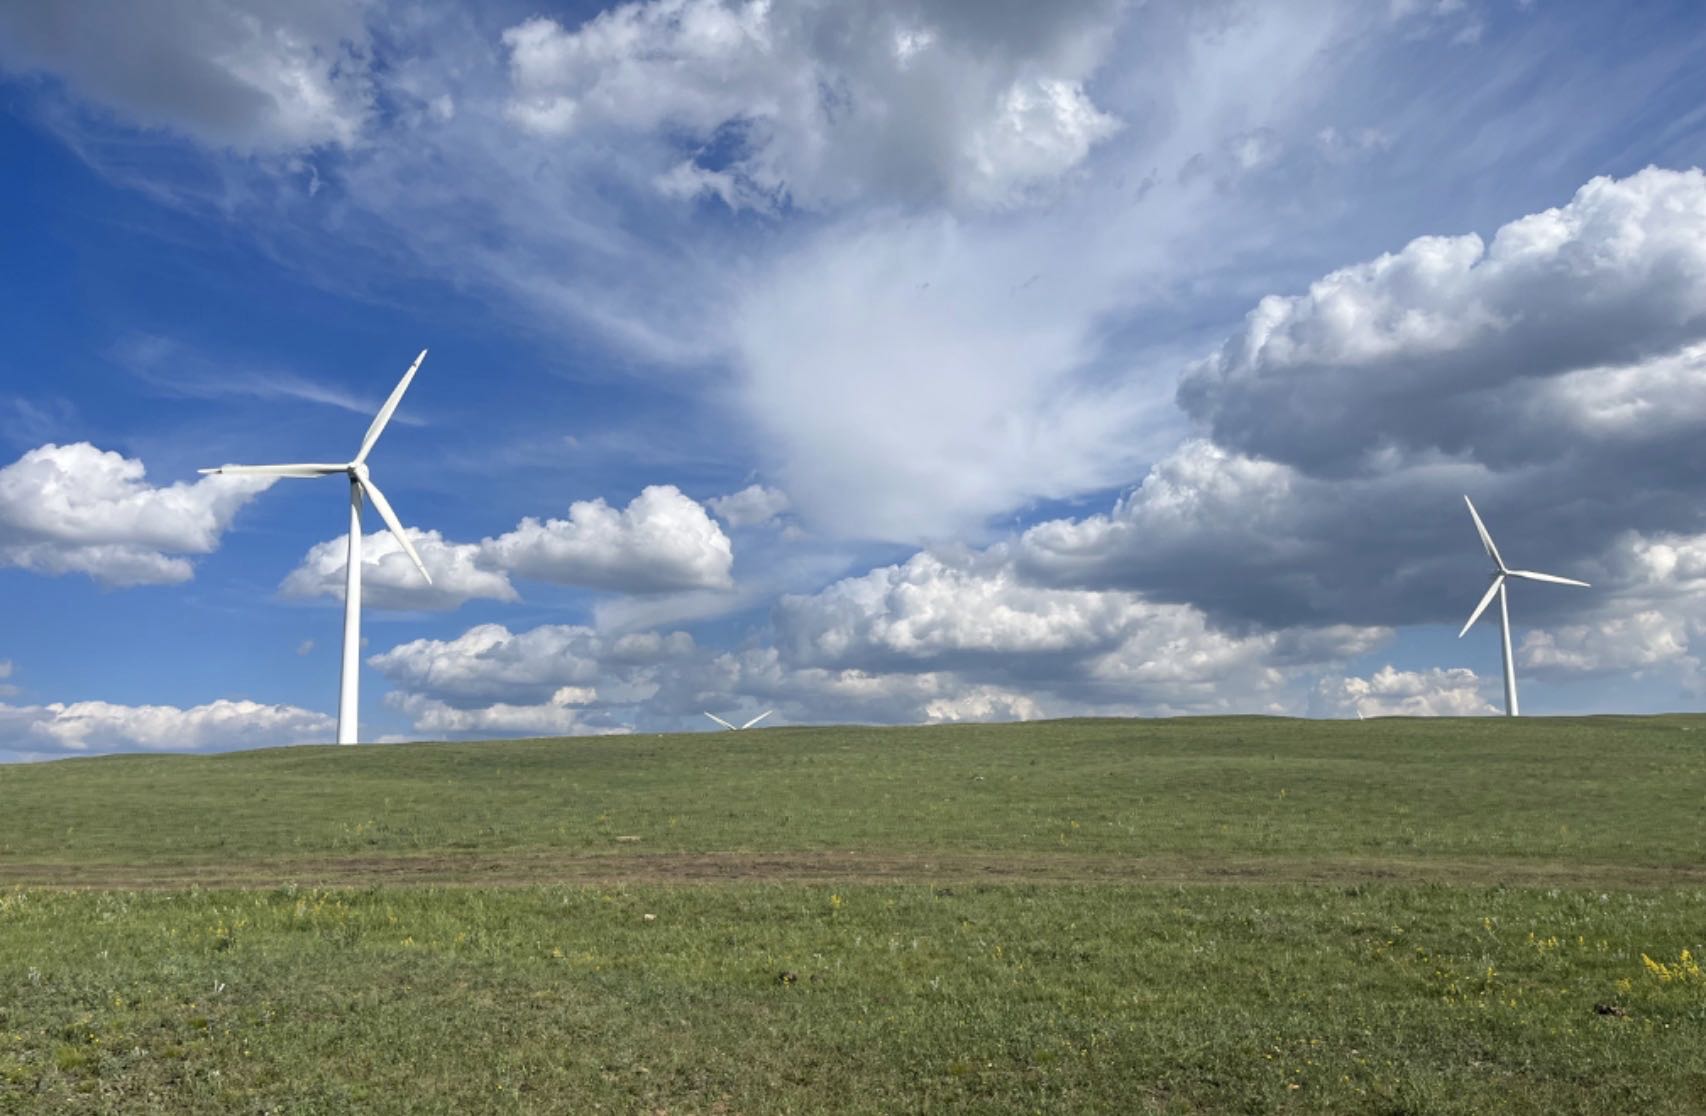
{"x": 1222, "y": 915}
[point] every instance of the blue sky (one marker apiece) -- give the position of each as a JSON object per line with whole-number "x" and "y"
{"x": 955, "y": 361}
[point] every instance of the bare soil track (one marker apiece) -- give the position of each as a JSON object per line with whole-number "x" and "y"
{"x": 527, "y": 868}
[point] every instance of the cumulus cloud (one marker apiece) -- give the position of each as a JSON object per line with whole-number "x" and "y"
{"x": 390, "y": 580}
{"x": 568, "y": 680}
{"x": 78, "y": 509}
{"x": 934, "y": 607}
{"x": 759, "y": 678}
{"x": 562, "y": 715}
{"x": 555, "y": 679}
{"x": 941, "y": 637}
{"x": 1555, "y": 375}
{"x": 1403, "y": 693}
{"x": 661, "y": 542}
{"x": 251, "y": 76}
{"x": 1635, "y": 642}
{"x": 974, "y": 614}
{"x": 1440, "y": 331}
{"x": 982, "y": 703}
{"x": 753, "y": 506}
{"x": 100, "y": 726}
{"x": 911, "y": 101}
{"x": 1655, "y": 613}
{"x": 489, "y": 663}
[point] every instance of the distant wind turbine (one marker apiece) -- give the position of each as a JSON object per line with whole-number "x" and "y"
{"x": 1500, "y": 573}
{"x": 737, "y": 728}
{"x": 359, "y": 482}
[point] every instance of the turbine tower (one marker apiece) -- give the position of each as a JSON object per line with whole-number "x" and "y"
{"x": 1501, "y": 573}
{"x": 737, "y": 728}
{"x": 360, "y": 483}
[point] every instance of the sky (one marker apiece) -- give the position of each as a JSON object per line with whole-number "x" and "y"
{"x": 914, "y": 361}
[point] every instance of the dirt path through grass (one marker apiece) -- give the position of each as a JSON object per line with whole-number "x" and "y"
{"x": 526, "y": 868}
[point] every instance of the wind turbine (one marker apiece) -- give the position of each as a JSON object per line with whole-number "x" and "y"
{"x": 359, "y": 483}
{"x": 737, "y": 728}
{"x": 1501, "y": 572}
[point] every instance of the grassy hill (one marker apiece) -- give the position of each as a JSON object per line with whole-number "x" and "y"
{"x": 1203, "y": 915}
{"x": 1570, "y": 795}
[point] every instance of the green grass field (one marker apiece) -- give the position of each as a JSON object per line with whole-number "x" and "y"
{"x": 1206, "y": 915}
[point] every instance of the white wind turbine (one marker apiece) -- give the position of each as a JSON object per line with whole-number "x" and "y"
{"x": 737, "y": 728}
{"x": 1500, "y": 573}
{"x": 359, "y": 482}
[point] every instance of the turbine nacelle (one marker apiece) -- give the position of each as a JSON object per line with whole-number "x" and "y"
{"x": 357, "y": 471}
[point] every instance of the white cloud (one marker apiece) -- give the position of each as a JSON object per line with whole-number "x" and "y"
{"x": 1086, "y": 650}
{"x": 175, "y": 369}
{"x": 818, "y": 108}
{"x": 687, "y": 180}
{"x": 1633, "y": 643}
{"x": 489, "y": 663}
{"x": 1042, "y": 128}
{"x": 75, "y": 508}
{"x": 753, "y": 506}
{"x": 938, "y": 638}
{"x": 560, "y": 716}
{"x": 100, "y": 726}
{"x": 1556, "y": 375}
{"x": 1410, "y": 353}
{"x": 917, "y": 375}
{"x": 558, "y": 679}
{"x": 919, "y": 134}
{"x": 251, "y": 76}
{"x": 982, "y": 703}
{"x": 390, "y": 580}
{"x": 983, "y": 348}
{"x": 1651, "y": 608}
{"x": 1403, "y": 693}
{"x": 932, "y": 607}
{"x": 555, "y": 679}
{"x": 761, "y": 678}
{"x": 661, "y": 542}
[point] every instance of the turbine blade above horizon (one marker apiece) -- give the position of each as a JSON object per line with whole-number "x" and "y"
{"x": 722, "y": 722}
{"x": 386, "y": 411}
{"x": 1486, "y": 537}
{"x": 383, "y": 506}
{"x": 1530, "y": 575}
{"x": 1492, "y": 591}
{"x": 305, "y": 469}
{"x": 758, "y": 718}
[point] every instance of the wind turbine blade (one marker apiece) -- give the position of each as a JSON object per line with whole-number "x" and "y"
{"x": 720, "y": 721}
{"x": 1486, "y": 539}
{"x": 758, "y": 718}
{"x": 1530, "y": 575}
{"x": 385, "y": 412}
{"x": 383, "y": 507}
{"x": 1492, "y": 591}
{"x": 304, "y": 470}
